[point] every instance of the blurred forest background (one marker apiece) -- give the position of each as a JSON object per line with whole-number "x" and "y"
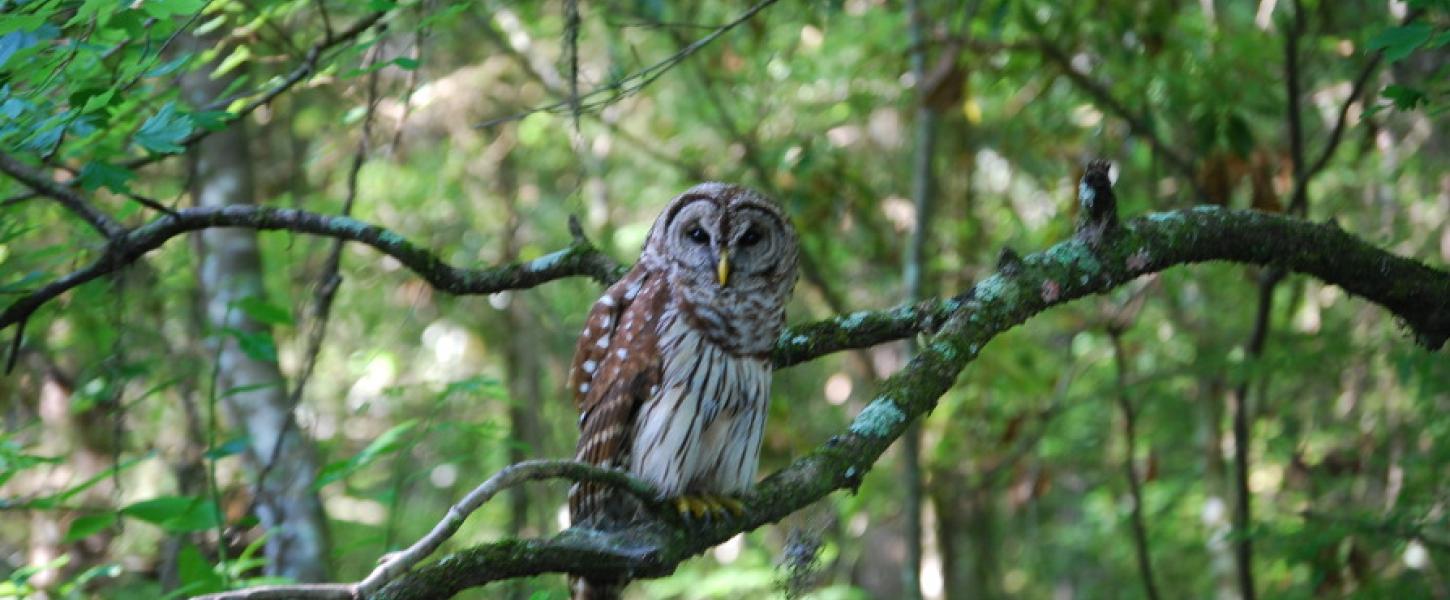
{"x": 476, "y": 128}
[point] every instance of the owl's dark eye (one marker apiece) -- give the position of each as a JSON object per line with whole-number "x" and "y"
{"x": 698, "y": 235}
{"x": 751, "y": 237}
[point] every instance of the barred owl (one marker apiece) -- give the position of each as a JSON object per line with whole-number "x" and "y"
{"x": 671, "y": 374}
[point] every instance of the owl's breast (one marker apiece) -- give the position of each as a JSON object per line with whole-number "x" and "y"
{"x": 700, "y": 428}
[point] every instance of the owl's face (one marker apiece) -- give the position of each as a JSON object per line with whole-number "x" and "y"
{"x": 724, "y": 239}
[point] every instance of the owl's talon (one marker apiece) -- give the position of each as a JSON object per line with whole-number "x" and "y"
{"x": 707, "y": 507}
{"x": 736, "y": 508}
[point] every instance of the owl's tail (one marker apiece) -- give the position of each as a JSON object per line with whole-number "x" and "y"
{"x": 588, "y": 589}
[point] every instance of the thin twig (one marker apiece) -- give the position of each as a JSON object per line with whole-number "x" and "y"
{"x": 301, "y": 72}
{"x": 1240, "y": 415}
{"x": 330, "y": 279}
{"x": 411, "y": 85}
{"x": 554, "y": 86}
{"x": 1136, "y": 123}
{"x": 571, "y": 53}
{"x": 1135, "y": 489}
{"x": 629, "y": 85}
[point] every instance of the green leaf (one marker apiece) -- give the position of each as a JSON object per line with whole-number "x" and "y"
{"x": 160, "y": 509}
{"x": 162, "y": 9}
{"x": 480, "y": 385}
{"x": 1439, "y": 40}
{"x": 265, "y": 312}
{"x": 1240, "y": 136}
{"x": 257, "y": 345}
{"x": 87, "y": 525}
{"x": 98, "y": 174}
{"x": 389, "y": 442}
{"x": 1399, "y": 42}
{"x": 236, "y": 445}
{"x": 238, "y": 56}
{"x": 177, "y": 514}
{"x": 196, "y": 573}
{"x": 164, "y": 131}
{"x": 70, "y": 588}
{"x": 56, "y": 499}
{"x": 1205, "y": 124}
{"x": 169, "y": 66}
{"x": 200, "y": 516}
{"x": 212, "y": 120}
{"x": 1404, "y": 97}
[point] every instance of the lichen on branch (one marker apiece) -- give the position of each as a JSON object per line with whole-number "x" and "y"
{"x": 957, "y": 330}
{"x": 1073, "y": 269}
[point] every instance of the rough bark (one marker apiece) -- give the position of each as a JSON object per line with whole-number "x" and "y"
{"x": 1065, "y": 272}
{"x": 229, "y": 272}
{"x": 1097, "y": 260}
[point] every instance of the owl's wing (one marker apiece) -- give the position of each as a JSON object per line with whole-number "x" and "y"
{"x": 616, "y": 364}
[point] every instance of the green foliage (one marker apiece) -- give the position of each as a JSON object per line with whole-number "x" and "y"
{"x": 390, "y": 442}
{"x": 417, "y": 395}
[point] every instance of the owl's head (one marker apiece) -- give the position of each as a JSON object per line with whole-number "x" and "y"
{"x": 726, "y": 239}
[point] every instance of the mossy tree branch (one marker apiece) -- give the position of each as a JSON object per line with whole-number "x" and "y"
{"x": 1418, "y": 294}
{"x": 1099, "y": 259}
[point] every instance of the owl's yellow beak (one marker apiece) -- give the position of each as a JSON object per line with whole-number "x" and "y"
{"x": 723, "y": 270}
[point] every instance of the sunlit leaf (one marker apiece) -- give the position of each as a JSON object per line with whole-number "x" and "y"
{"x": 177, "y": 514}
{"x": 257, "y": 345}
{"x": 389, "y": 442}
{"x": 88, "y": 525}
{"x": 264, "y": 312}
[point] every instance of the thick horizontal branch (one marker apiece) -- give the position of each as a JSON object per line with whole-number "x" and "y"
{"x": 580, "y": 258}
{"x": 1407, "y": 288}
{"x": 1070, "y": 270}
{"x": 961, "y": 326}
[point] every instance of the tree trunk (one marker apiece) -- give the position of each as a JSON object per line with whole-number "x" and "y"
{"x": 231, "y": 270}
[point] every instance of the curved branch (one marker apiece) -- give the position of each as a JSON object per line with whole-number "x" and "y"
{"x": 1096, "y": 261}
{"x": 397, "y": 563}
{"x": 68, "y": 197}
{"x": 579, "y": 258}
{"x": 1070, "y": 270}
{"x": 1416, "y": 293}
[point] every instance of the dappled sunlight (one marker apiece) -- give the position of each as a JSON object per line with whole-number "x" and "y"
{"x": 1088, "y": 393}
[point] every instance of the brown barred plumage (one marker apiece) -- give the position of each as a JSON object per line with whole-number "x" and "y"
{"x": 671, "y": 374}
